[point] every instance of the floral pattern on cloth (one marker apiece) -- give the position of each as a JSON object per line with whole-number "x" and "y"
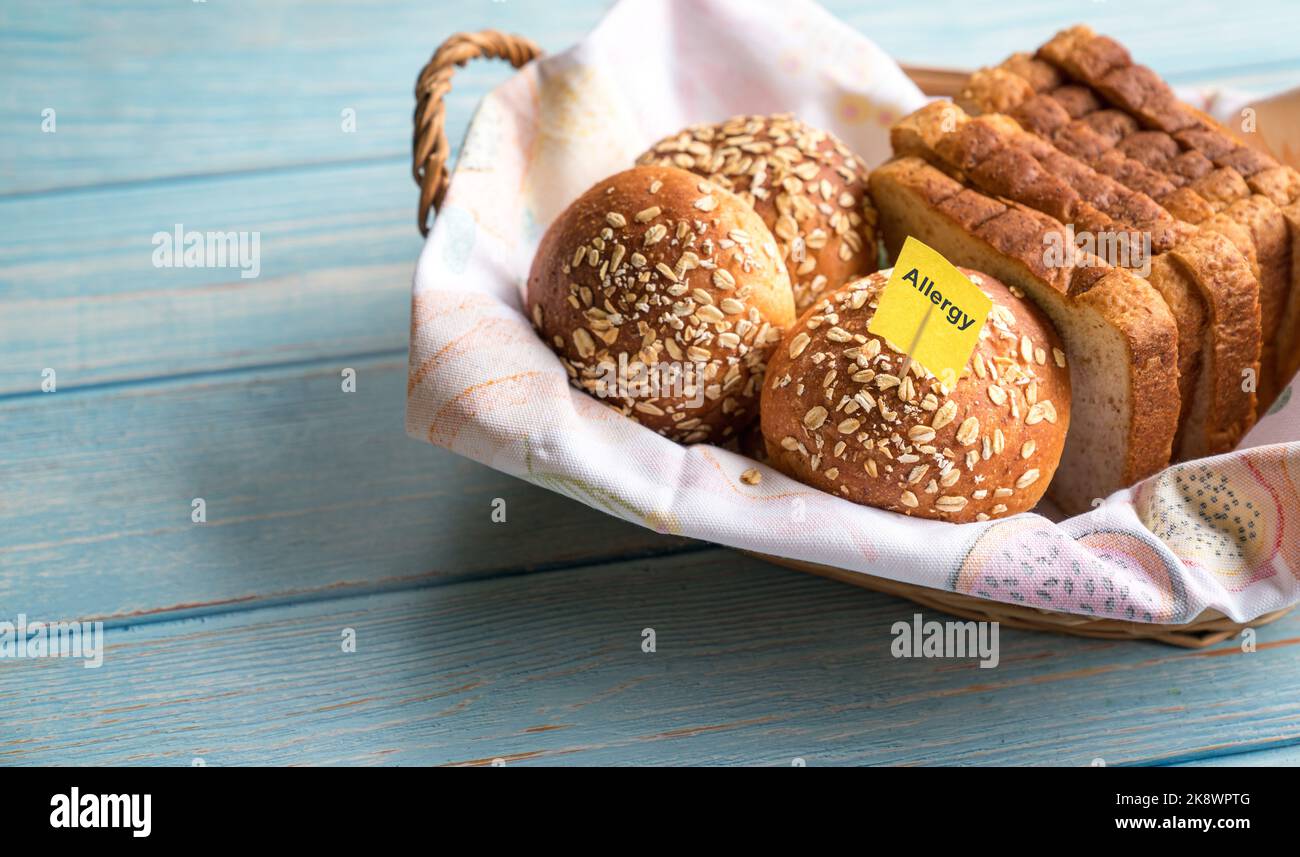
{"x": 1235, "y": 518}
{"x": 1219, "y": 533}
{"x": 1031, "y": 562}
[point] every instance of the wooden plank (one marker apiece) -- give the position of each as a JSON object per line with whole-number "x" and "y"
{"x": 1284, "y": 756}
{"x": 219, "y": 87}
{"x": 307, "y": 489}
{"x": 79, "y": 292}
{"x": 1194, "y": 43}
{"x": 337, "y": 243}
{"x": 752, "y": 665}
{"x": 160, "y": 88}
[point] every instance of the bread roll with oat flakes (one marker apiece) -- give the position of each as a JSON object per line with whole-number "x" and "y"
{"x": 838, "y": 415}
{"x": 664, "y": 295}
{"x": 807, "y": 186}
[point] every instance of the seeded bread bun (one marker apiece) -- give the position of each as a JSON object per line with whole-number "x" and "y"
{"x": 807, "y": 186}
{"x": 664, "y": 295}
{"x": 836, "y": 415}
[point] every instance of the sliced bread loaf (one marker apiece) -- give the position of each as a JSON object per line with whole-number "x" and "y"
{"x": 1120, "y": 336}
{"x": 1206, "y": 293}
{"x": 1084, "y": 93}
{"x": 1106, "y": 66}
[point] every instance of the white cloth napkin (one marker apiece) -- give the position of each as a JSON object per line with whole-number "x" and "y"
{"x": 1218, "y": 533}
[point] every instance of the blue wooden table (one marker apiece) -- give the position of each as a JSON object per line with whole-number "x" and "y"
{"x": 474, "y": 640}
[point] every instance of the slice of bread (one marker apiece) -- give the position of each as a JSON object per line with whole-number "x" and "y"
{"x": 1282, "y": 186}
{"x": 1288, "y": 335}
{"x": 1120, "y": 337}
{"x": 1223, "y": 403}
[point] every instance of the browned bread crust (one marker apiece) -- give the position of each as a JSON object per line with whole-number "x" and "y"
{"x": 807, "y": 186}
{"x": 1188, "y": 309}
{"x": 998, "y": 157}
{"x": 1288, "y": 339}
{"x": 1279, "y": 184}
{"x": 1136, "y": 310}
{"x": 1105, "y": 66}
{"x": 1264, "y": 222}
{"x": 658, "y": 269}
{"x": 1079, "y": 123}
{"x": 1211, "y": 172}
{"x": 839, "y": 413}
{"x": 1136, "y": 160}
{"x": 1222, "y": 404}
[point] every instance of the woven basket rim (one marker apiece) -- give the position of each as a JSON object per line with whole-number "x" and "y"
{"x": 1209, "y": 628}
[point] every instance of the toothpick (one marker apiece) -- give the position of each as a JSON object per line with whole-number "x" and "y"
{"x": 907, "y": 364}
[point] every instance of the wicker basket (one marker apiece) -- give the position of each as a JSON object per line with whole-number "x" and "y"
{"x": 429, "y": 166}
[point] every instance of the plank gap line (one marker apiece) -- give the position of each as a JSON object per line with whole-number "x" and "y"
{"x": 313, "y": 363}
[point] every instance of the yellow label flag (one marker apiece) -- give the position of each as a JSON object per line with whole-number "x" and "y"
{"x": 931, "y": 310}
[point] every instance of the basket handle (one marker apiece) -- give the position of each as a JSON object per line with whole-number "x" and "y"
{"x": 429, "y": 149}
